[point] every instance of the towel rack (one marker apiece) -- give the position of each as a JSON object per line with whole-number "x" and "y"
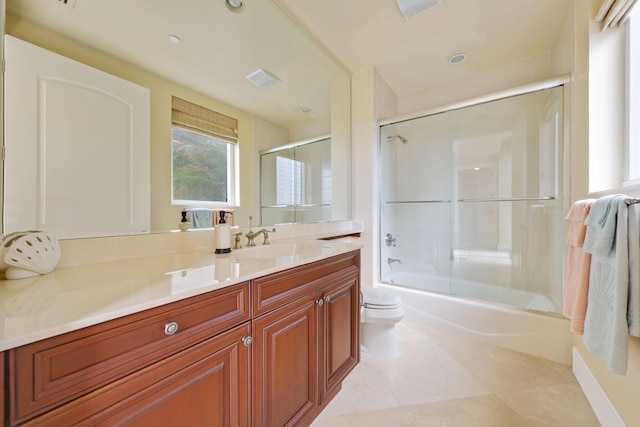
{"x": 632, "y": 201}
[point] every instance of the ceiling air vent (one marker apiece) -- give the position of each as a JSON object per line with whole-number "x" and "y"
{"x": 262, "y": 78}
{"x": 411, "y": 8}
{"x": 70, "y": 3}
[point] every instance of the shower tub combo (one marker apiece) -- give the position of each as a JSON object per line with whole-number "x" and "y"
{"x": 471, "y": 218}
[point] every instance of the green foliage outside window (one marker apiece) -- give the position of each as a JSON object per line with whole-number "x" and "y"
{"x": 200, "y": 166}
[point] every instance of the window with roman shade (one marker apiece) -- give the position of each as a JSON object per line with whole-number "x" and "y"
{"x": 203, "y": 148}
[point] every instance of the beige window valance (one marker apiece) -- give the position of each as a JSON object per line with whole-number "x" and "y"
{"x": 614, "y": 12}
{"x": 194, "y": 118}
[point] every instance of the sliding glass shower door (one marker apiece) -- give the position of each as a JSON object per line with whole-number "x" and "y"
{"x": 471, "y": 201}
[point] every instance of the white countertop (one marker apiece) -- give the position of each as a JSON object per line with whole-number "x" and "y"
{"x": 74, "y": 297}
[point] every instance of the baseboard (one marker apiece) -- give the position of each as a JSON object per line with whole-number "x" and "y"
{"x": 602, "y": 406}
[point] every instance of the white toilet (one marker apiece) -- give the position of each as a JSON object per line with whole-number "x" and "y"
{"x": 380, "y": 312}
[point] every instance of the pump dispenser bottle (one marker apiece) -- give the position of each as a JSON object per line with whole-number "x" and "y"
{"x": 223, "y": 235}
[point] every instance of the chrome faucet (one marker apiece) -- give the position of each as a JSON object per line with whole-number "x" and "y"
{"x": 251, "y": 235}
{"x": 392, "y": 260}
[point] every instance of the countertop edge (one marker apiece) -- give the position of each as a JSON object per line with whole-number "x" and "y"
{"x": 104, "y": 314}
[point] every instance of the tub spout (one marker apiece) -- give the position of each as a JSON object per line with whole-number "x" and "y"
{"x": 392, "y": 260}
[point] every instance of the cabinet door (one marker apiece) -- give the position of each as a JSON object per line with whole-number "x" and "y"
{"x": 204, "y": 385}
{"x": 2, "y": 387}
{"x": 340, "y": 333}
{"x": 285, "y": 363}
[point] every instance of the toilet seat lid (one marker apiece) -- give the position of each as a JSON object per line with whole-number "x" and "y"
{"x": 375, "y": 298}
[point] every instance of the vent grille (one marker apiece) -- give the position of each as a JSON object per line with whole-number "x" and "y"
{"x": 262, "y": 78}
{"x": 68, "y": 3}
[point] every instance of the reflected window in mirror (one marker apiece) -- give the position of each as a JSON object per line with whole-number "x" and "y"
{"x": 203, "y": 152}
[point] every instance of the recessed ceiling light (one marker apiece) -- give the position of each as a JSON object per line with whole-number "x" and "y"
{"x": 457, "y": 58}
{"x": 174, "y": 39}
{"x": 306, "y": 110}
{"x": 234, "y": 5}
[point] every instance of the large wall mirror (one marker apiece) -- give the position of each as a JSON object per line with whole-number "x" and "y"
{"x": 203, "y": 51}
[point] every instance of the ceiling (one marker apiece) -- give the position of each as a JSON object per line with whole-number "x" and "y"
{"x": 413, "y": 54}
{"x": 219, "y": 47}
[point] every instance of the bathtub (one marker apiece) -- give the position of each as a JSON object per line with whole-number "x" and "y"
{"x": 527, "y": 331}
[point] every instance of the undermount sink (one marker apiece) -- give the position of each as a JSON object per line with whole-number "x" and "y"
{"x": 276, "y": 250}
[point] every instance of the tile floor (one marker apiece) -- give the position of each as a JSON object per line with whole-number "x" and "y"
{"x": 446, "y": 380}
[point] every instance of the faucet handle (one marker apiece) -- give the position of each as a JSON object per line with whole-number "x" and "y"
{"x": 237, "y": 243}
{"x": 266, "y": 236}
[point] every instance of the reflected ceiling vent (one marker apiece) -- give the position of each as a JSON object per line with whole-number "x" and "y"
{"x": 411, "y": 8}
{"x": 70, "y": 3}
{"x": 262, "y": 78}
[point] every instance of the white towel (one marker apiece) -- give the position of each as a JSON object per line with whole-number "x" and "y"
{"x": 606, "y": 329}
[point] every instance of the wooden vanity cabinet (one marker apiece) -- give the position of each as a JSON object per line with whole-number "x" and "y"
{"x": 2, "y": 387}
{"x": 272, "y": 352}
{"x": 139, "y": 364}
{"x": 306, "y": 343}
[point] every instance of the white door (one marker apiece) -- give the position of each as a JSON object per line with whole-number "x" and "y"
{"x": 77, "y": 147}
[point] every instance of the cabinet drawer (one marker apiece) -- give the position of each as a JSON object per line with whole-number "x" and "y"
{"x": 277, "y": 289}
{"x": 48, "y": 373}
{"x": 206, "y": 384}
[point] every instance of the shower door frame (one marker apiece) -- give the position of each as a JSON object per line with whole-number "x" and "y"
{"x": 563, "y": 81}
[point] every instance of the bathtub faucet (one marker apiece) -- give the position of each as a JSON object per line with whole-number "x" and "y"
{"x": 392, "y": 260}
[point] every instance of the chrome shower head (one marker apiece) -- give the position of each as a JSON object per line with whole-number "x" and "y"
{"x": 401, "y": 138}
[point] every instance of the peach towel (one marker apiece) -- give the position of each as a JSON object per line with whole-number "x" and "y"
{"x": 576, "y": 287}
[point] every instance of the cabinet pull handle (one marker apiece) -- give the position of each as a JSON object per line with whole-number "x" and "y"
{"x": 171, "y": 328}
{"x": 247, "y": 341}
{"x": 327, "y": 299}
{"x": 320, "y": 302}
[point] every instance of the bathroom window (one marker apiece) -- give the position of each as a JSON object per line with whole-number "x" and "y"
{"x": 633, "y": 102}
{"x": 203, "y": 151}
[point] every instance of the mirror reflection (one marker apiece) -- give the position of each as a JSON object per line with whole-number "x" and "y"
{"x": 296, "y": 184}
{"x": 218, "y": 51}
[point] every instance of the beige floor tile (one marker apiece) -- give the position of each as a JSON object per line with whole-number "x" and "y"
{"x": 442, "y": 379}
{"x": 386, "y": 418}
{"x": 554, "y": 406}
{"x": 501, "y": 369}
{"x": 483, "y": 411}
{"x": 425, "y": 373}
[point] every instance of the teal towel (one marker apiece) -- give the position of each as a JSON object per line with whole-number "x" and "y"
{"x": 202, "y": 218}
{"x": 606, "y": 327}
{"x": 601, "y": 225}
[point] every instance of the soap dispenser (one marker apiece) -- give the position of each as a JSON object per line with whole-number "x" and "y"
{"x": 184, "y": 222}
{"x": 223, "y": 235}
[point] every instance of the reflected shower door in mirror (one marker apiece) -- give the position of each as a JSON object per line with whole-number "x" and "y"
{"x": 295, "y": 184}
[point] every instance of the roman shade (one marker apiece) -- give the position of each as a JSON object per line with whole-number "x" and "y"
{"x": 195, "y": 118}
{"x": 614, "y": 12}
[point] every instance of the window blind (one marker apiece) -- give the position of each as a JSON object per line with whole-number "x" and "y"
{"x": 614, "y": 12}
{"x": 195, "y": 118}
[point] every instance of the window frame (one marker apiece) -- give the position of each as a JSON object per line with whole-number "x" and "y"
{"x": 632, "y": 101}
{"x": 232, "y": 177}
